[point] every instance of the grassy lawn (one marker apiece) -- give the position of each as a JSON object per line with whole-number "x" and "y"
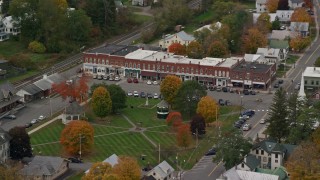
{"x": 204, "y": 18}
{"x": 113, "y": 136}
{"x": 10, "y": 48}
{"x": 140, "y": 19}
{"x": 20, "y": 77}
{"x": 292, "y": 59}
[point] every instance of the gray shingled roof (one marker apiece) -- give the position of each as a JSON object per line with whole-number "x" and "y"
{"x": 32, "y": 89}
{"x": 56, "y": 78}
{"x": 4, "y": 136}
{"x": 299, "y": 26}
{"x": 42, "y": 165}
{"x": 43, "y": 84}
{"x": 74, "y": 108}
{"x": 183, "y": 35}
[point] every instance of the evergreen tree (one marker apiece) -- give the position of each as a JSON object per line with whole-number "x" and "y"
{"x": 20, "y": 143}
{"x": 279, "y": 124}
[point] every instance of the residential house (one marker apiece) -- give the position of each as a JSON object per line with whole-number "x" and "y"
{"x": 283, "y": 45}
{"x": 8, "y": 98}
{"x": 283, "y": 35}
{"x": 44, "y": 168}
{"x": 72, "y": 112}
{"x": 11, "y": 26}
{"x": 255, "y": 58}
{"x": 139, "y": 2}
{"x": 301, "y": 28}
{"x": 255, "y": 17}
{"x": 284, "y": 15}
{"x": 293, "y": 4}
{"x": 181, "y": 37}
{"x": 311, "y": 76}
{"x": 235, "y": 174}
{"x": 112, "y": 160}
{"x": 261, "y": 6}
{"x": 271, "y": 154}
{"x": 162, "y": 171}
{"x": 3, "y": 36}
{"x": 272, "y": 55}
{"x": 280, "y": 171}
{"x": 119, "y": 4}
{"x": 4, "y": 146}
{"x": 249, "y": 163}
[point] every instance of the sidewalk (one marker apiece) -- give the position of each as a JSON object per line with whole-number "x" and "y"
{"x": 44, "y": 124}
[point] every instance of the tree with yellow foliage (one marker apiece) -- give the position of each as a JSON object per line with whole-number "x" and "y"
{"x": 127, "y": 168}
{"x": 208, "y": 108}
{"x": 169, "y": 88}
{"x": 298, "y": 43}
{"x": 272, "y": 5}
{"x": 98, "y": 170}
{"x": 300, "y": 15}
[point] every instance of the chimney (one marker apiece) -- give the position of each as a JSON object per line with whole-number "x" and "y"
{"x": 45, "y": 76}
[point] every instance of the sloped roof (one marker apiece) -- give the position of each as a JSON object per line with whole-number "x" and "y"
{"x": 234, "y": 174}
{"x": 251, "y": 57}
{"x": 261, "y": 1}
{"x": 279, "y": 171}
{"x": 42, "y": 165}
{"x": 269, "y": 52}
{"x": 43, "y": 84}
{"x": 56, "y": 78}
{"x": 163, "y": 169}
{"x": 74, "y": 108}
{"x": 299, "y": 26}
{"x": 279, "y": 44}
{"x": 4, "y": 136}
{"x": 32, "y": 89}
{"x": 297, "y": 1}
{"x": 163, "y": 103}
{"x": 251, "y": 161}
{"x": 274, "y": 147}
{"x": 112, "y": 160}
{"x": 183, "y": 35}
{"x": 282, "y": 34}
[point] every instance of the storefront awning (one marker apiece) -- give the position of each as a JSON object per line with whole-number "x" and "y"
{"x": 262, "y": 83}
{"x": 148, "y": 73}
{"x": 237, "y": 81}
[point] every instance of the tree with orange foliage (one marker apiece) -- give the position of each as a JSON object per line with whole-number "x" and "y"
{"x": 303, "y": 163}
{"x": 127, "y": 168}
{"x": 98, "y": 170}
{"x": 101, "y": 102}
{"x": 253, "y": 40}
{"x": 174, "y": 119}
{"x": 298, "y": 43}
{"x": 272, "y": 5}
{"x": 300, "y": 15}
{"x": 183, "y": 136}
{"x": 177, "y": 49}
{"x": 308, "y": 4}
{"x": 75, "y": 90}
{"x": 77, "y": 133}
{"x": 208, "y": 108}
{"x": 169, "y": 88}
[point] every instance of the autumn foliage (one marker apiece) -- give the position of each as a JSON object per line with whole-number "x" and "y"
{"x": 71, "y": 135}
{"x": 101, "y": 102}
{"x": 76, "y": 90}
{"x": 169, "y": 88}
{"x": 217, "y": 49}
{"x": 297, "y": 44}
{"x": 253, "y": 40}
{"x": 272, "y": 5}
{"x": 127, "y": 168}
{"x": 300, "y": 15}
{"x": 177, "y": 49}
{"x": 184, "y": 137}
{"x": 194, "y": 50}
{"x": 208, "y": 108}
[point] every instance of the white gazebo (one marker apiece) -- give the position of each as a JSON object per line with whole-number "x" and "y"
{"x": 72, "y": 112}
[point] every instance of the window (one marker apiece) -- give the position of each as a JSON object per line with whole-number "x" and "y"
{"x": 154, "y": 67}
{"x": 276, "y": 161}
{"x": 162, "y": 68}
{"x": 126, "y": 64}
{"x": 276, "y": 155}
{"x": 317, "y": 82}
{"x": 312, "y": 82}
{"x": 187, "y": 70}
{"x": 201, "y": 71}
{"x": 305, "y": 82}
{"x": 257, "y": 151}
{"x": 94, "y": 60}
{"x": 134, "y": 65}
{"x": 262, "y": 152}
{"x": 182, "y": 69}
{"x": 178, "y": 69}
{"x": 138, "y": 66}
{"x": 172, "y": 68}
{"x": 107, "y": 62}
{"x": 264, "y": 159}
{"x": 191, "y": 70}
{"x": 143, "y": 66}
{"x": 242, "y": 165}
{"x": 130, "y": 65}
{"x": 148, "y": 66}
{"x": 168, "y": 68}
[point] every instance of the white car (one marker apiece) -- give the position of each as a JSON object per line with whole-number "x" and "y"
{"x": 94, "y": 76}
{"x": 155, "y": 82}
{"x": 105, "y": 77}
{"x": 117, "y": 78}
{"x": 246, "y": 117}
{"x": 34, "y": 121}
{"x": 41, "y": 117}
{"x": 262, "y": 121}
{"x": 149, "y": 82}
{"x": 246, "y": 127}
{"x": 155, "y": 96}
{"x": 129, "y": 93}
{"x": 135, "y": 94}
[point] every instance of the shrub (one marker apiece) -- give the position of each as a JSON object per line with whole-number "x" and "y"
{"x": 36, "y": 47}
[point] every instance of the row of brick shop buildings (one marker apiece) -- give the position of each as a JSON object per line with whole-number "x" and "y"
{"x": 132, "y": 61}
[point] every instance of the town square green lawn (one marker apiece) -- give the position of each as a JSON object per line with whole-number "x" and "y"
{"x": 113, "y": 136}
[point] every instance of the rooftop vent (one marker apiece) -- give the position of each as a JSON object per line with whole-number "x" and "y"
{"x": 269, "y": 146}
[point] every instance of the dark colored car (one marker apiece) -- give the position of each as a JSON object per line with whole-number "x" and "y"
{"x": 221, "y": 102}
{"x": 211, "y": 152}
{"x": 252, "y": 92}
{"x": 248, "y": 113}
{"x": 74, "y": 160}
{"x": 135, "y": 80}
{"x": 246, "y": 92}
{"x": 129, "y": 80}
{"x": 149, "y": 95}
{"x": 276, "y": 85}
{"x": 10, "y": 116}
{"x": 142, "y": 94}
{"x": 237, "y": 125}
{"x": 225, "y": 89}
{"x": 280, "y": 81}
{"x": 205, "y": 87}
{"x": 28, "y": 125}
{"x": 212, "y": 88}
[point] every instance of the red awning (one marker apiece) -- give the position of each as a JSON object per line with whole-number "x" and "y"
{"x": 148, "y": 73}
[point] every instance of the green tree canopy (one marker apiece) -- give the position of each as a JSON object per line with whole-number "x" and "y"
{"x": 20, "y": 143}
{"x": 188, "y": 96}
{"x": 101, "y": 102}
{"x": 118, "y": 97}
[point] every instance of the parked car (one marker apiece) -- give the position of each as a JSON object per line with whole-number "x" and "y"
{"x": 135, "y": 94}
{"x": 129, "y": 93}
{"x": 135, "y": 80}
{"x": 280, "y": 81}
{"x": 105, "y": 77}
{"x": 224, "y": 89}
{"x": 28, "y": 125}
{"x": 246, "y": 117}
{"x": 149, "y": 82}
{"x": 231, "y": 90}
{"x": 34, "y": 121}
{"x": 248, "y": 112}
{"x": 149, "y": 95}
{"x": 282, "y": 27}
{"x": 117, "y": 78}
{"x": 10, "y": 116}
{"x": 99, "y": 77}
{"x": 252, "y": 92}
{"x": 221, "y": 102}
{"x": 218, "y": 89}
{"x": 111, "y": 78}
{"x": 142, "y": 95}
{"x": 246, "y": 127}
{"x": 276, "y": 85}
{"x": 246, "y": 92}
{"x": 129, "y": 80}
{"x": 237, "y": 124}
{"x": 94, "y": 76}
{"x": 212, "y": 88}
{"x": 227, "y": 103}
{"x": 155, "y": 96}
{"x": 211, "y": 152}
{"x": 155, "y": 82}
{"x": 41, "y": 117}
{"x": 262, "y": 121}
{"x": 74, "y": 160}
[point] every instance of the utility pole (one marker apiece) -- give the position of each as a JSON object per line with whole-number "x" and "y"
{"x": 197, "y": 138}
{"x": 159, "y": 153}
{"x": 80, "y": 146}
